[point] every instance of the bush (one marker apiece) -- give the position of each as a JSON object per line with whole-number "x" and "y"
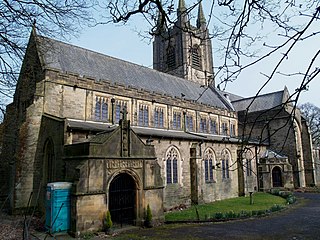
{"x": 261, "y": 212}
{"x": 275, "y": 208}
{"x": 275, "y": 191}
{"x": 244, "y": 214}
{"x": 148, "y": 220}
{"x": 108, "y": 222}
{"x": 87, "y": 235}
{"x": 285, "y": 194}
{"x": 219, "y": 215}
{"x": 291, "y": 199}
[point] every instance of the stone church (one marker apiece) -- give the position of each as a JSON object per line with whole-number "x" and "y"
{"x": 127, "y": 136}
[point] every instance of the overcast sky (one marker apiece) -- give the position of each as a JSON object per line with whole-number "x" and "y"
{"x": 124, "y": 42}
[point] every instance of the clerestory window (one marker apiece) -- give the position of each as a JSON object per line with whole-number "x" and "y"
{"x": 158, "y": 118}
{"x": 232, "y": 130}
{"x": 203, "y": 125}
{"x": 143, "y": 115}
{"x": 224, "y": 128}
{"x": 176, "y": 121}
{"x": 213, "y": 126}
{"x": 119, "y": 107}
{"x": 189, "y": 123}
{"x": 101, "y": 109}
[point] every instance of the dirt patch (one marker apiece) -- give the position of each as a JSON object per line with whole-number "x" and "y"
{"x": 12, "y": 226}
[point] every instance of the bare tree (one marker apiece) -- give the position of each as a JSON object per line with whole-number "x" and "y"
{"x": 53, "y": 18}
{"x": 312, "y": 116}
{"x": 246, "y": 32}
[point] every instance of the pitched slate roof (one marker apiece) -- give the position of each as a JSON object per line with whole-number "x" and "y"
{"x": 231, "y": 96}
{"x": 269, "y": 154}
{"x": 72, "y": 59}
{"x": 261, "y": 102}
{"x": 143, "y": 131}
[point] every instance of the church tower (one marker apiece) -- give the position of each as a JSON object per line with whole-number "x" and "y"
{"x": 185, "y": 50}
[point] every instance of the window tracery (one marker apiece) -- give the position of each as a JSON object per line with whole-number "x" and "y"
{"x": 172, "y": 159}
{"x": 225, "y": 162}
{"x": 209, "y": 161}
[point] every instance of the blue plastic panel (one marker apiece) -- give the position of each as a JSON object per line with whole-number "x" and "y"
{"x": 58, "y": 207}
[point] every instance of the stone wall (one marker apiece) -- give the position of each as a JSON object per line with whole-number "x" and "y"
{"x": 180, "y": 193}
{"x": 309, "y": 164}
{"x": 74, "y": 97}
{"x": 276, "y": 128}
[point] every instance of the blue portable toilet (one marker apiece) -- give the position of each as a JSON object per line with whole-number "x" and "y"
{"x": 58, "y": 207}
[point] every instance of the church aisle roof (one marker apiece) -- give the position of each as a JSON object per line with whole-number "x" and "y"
{"x": 262, "y": 102}
{"x": 72, "y": 59}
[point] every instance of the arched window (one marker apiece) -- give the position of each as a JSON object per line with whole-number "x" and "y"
{"x": 172, "y": 159}
{"x": 209, "y": 161}
{"x": 49, "y": 159}
{"x": 225, "y": 162}
{"x": 248, "y": 158}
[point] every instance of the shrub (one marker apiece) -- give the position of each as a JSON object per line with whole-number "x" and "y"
{"x": 219, "y": 215}
{"x": 87, "y": 235}
{"x": 275, "y": 191}
{"x": 261, "y": 212}
{"x": 108, "y": 221}
{"x": 285, "y": 194}
{"x": 291, "y": 199}
{"x": 244, "y": 214}
{"x": 148, "y": 220}
{"x": 275, "y": 208}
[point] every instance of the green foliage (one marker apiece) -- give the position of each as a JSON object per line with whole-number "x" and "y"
{"x": 219, "y": 215}
{"x": 108, "y": 221}
{"x": 148, "y": 220}
{"x": 276, "y": 207}
{"x": 230, "y": 208}
{"x": 290, "y": 198}
{"x": 87, "y": 235}
{"x": 275, "y": 191}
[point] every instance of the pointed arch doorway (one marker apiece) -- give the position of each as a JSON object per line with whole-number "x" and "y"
{"x": 122, "y": 199}
{"x": 276, "y": 177}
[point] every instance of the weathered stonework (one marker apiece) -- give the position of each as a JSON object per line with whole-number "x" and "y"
{"x": 181, "y": 147}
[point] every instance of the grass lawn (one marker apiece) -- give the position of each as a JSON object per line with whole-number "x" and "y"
{"x": 261, "y": 201}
